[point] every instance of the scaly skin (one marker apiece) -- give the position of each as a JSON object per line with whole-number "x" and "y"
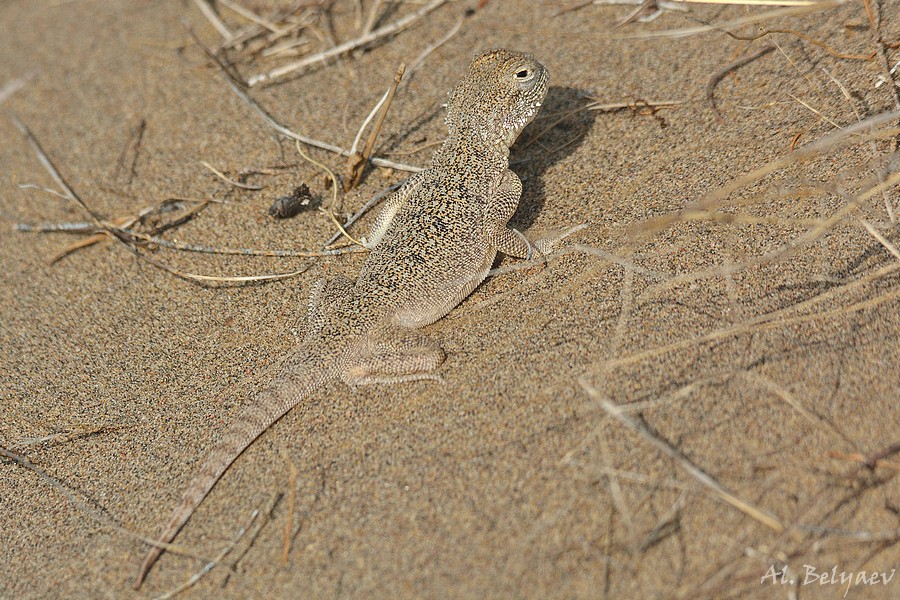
{"x": 432, "y": 244}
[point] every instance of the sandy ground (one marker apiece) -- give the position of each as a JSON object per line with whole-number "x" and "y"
{"x": 757, "y": 335}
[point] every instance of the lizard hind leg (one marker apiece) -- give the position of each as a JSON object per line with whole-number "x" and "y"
{"x": 399, "y": 357}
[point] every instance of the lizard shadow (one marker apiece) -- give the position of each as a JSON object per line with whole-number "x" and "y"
{"x": 558, "y": 131}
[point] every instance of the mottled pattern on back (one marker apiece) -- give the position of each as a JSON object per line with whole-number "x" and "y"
{"x": 432, "y": 244}
{"x": 441, "y": 237}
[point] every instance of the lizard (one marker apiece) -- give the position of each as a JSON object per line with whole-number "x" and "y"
{"x": 433, "y": 242}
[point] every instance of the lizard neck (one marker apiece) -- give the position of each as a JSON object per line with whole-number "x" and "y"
{"x": 470, "y": 152}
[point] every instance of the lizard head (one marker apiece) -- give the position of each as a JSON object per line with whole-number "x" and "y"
{"x": 499, "y": 96}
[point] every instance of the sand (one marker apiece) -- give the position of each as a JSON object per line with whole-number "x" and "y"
{"x": 513, "y": 478}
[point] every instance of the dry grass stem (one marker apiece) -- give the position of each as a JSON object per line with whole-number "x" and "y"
{"x": 204, "y": 279}
{"x": 209, "y": 566}
{"x": 157, "y": 241}
{"x": 385, "y": 31}
{"x": 794, "y": 403}
{"x": 760, "y": 515}
{"x": 292, "y": 497}
{"x": 68, "y": 192}
{"x": 816, "y": 111}
{"x": 250, "y": 15}
{"x": 357, "y": 162}
{"x": 381, "y": 162}
{"x": 775, "y": 319}
{"x": 210, "y": 13}
{"x": 863, "y": 459}
{"x": 420, "y": 59}
{"x": 64, "y": 437}
{"x": 881, "y": 239}
{"x": 12, "y": 86}
{"x": 719, "y": 75}
{"x": 324, "y": 167}
{"x": 780, "y": 13}
{"x": 635, "y": 105}
{"x": 220, "y": 175}
{"x": 753, "y": 2}
{"x": 365, "y": 208}
{"x": 128, "y": 238}
{"x": 96, "y": 514}
{"x": 847, "y": 136}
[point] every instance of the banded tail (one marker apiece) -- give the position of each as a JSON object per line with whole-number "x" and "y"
{"x": 299, "y": 377}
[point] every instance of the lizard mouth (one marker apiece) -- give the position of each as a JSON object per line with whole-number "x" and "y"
{"x": 523, "y": 120}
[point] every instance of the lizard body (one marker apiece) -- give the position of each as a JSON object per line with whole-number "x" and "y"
{"x": 432, "y": 244}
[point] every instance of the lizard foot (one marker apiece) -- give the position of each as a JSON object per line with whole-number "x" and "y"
{"x": 549, "y": 241}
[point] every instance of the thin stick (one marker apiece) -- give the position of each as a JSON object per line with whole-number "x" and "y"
{"x": 420, "y": 60}
{"x": 341, "y": 229}
{"x": 125, "y": 236}
{"x": 370, "y": 142}
{"x": 221, "y": 176}
{"x": 55, "y": 227}
{"x": 372, "y": 201}
{"x": 357, "y": 163}
{"x": 66, "y": 436}
{"x": 381, "y": 162}
{"x": 861, "y": 458}
{"x": 762, "y": 516}
{"x": 753, "y": 2}
{"x": 654, "y": 104}
{"x": 881, "y": 239}
{"x": 158, "y": 241}
{"x": 237, "y": 86}
{"x": 372, "y": 18}
{"x": 787, "y": 397}
{"x": 334, "y": 197}
{"x": 354, "y": 147}
{"x": 48, "y": 165}
{"x": 815, "y": 111}
{"x": 250, "y": 15}
{"x": 848, "y": 135}
{"x": 95, "y": 514}
{"x": 213, "y": 278}
{"x": 213, "y": 18}
{"x": 211, "y": 564}
{"x": 720, "y": 74}
{"x": 779, "y": 13}
{"x": 89, "y": 241}
{"x": 774, "y": 319}
{"x": 292, "y": 493}
{"x": 324, "y": 167}
{"x": 850, "y": 100}
{"x": 389, "y": 29}
{"x": 12, "y": 86}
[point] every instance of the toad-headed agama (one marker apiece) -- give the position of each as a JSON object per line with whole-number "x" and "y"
{"x": 432, "y": 244}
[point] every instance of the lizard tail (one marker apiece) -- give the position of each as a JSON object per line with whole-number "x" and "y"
{"x": 294, "y": 383}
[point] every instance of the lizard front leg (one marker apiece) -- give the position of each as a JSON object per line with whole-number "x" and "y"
{"x": 513, "y": 242}
{"x": 501, "y": 207}
{"x": 391, "y": 207}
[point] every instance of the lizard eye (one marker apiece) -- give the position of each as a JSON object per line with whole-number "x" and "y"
{"x": 525, "y": 77}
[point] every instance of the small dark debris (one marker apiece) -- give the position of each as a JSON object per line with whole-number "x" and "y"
{"x": 288, "y": 206}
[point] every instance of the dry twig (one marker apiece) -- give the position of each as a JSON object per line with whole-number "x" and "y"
{"x": 762, "y": 516}
{"x": 97, "y": 515}
{"x": 719, "y": 75}
{"x": 357, "y": 161}
{"x": 367, "y": 38}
